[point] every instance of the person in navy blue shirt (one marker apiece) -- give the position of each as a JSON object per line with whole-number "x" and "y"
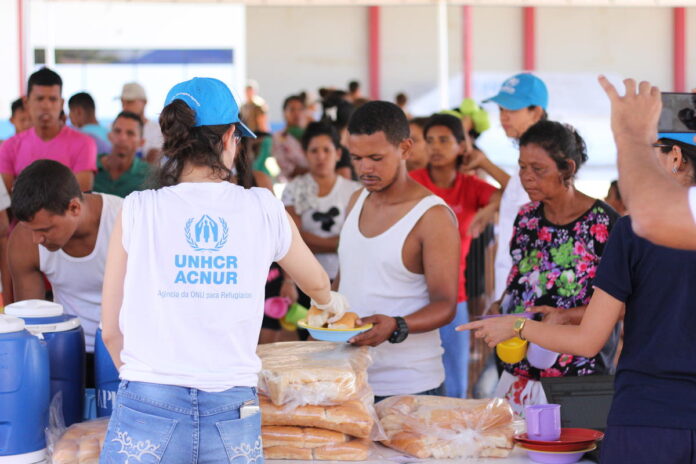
{"x": 653, "y": 414}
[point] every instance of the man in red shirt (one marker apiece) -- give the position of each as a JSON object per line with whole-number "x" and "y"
{"x": 447, "y": 143}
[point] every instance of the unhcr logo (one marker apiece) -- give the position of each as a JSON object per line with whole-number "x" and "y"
{"x": 207, "y": 234}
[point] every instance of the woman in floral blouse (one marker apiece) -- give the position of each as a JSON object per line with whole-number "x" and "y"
{"x": 557, "y": 242}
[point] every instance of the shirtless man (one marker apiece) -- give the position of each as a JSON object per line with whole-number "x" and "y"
{"x": 73, "y": 229}
{"x": 399, "y": 257}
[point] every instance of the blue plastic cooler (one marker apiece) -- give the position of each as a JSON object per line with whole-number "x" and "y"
{"x": 24, "y": 393}
{"x": 66, "y": 350}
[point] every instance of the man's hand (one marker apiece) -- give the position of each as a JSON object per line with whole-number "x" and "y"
{"x": 634, "y": 116}
{"x": 382, "y": 328}
{"x": 557, "y": 316}
{"x": 473, "y": 160}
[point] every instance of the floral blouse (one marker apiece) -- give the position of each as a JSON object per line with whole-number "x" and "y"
{"x": 554, "y": 266}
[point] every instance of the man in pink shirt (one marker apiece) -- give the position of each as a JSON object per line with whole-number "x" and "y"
{"x": 49, "y": 138}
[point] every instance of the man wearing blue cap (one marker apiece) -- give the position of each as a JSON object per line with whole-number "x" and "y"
{"x": 662, "y": 211}
{"x": 522, "y": 101}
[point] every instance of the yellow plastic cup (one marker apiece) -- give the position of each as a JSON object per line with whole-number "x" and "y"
{"x": 512, "y": 351}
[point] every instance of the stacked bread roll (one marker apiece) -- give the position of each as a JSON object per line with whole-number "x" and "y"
{"x": 439, "y": 427}
{"x": 315, "y": 401}
{"x": 81, "y": 443}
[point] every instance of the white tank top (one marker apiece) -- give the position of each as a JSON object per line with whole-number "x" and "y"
{"x": 198, "y": 259}
{"x": 77, "y": 282}
{"x": 375, "y": 281}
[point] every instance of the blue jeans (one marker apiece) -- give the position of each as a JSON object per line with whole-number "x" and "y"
{"x": 153, "y": 423}
{"x": 456, "y": 357}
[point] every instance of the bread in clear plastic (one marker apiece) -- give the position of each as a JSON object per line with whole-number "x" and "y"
{"x": 439, "y": 427}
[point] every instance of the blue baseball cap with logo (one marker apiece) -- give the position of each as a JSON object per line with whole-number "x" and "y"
{"x": 212, "y": 102}
{"x": 521, "y": 91}
{"x": 688, "y": 138}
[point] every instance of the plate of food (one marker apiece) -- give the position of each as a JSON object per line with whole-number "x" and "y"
{"x": 340, "y": 331}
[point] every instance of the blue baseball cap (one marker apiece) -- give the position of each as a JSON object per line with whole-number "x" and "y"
{"x": 684, "y": 137}
{"x": 212, "y": 102}
{"x": 521, "y": 91}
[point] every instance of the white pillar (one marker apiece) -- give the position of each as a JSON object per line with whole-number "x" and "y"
{"x": 442, "y": 55}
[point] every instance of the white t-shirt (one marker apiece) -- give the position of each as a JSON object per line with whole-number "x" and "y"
{"x": 322, "y": 216}
{"x": 198, "y": 258}
{"x": 152, "y": 135}
{"x": 77, "y": 282}
{"x": 514, "y": 197}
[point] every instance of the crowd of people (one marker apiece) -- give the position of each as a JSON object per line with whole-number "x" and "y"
{"x": 377, "y": 215}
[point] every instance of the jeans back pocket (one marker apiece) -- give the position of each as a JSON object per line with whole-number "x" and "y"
{"x": 242, "y": 439}
{"x": 136, "y": 437}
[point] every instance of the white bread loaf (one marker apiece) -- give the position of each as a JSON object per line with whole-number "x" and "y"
{"x": 352, "y": 417}
{"x": 438, "y": 427}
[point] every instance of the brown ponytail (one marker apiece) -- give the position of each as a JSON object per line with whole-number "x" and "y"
{"x": 200, "y": 146}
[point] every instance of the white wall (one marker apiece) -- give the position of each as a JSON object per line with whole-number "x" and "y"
{"x": 635, "y": 42}
{"x": 9, "y": 56}
{"x": 133, "y": 25}
{"x": 291, "y": 49}
{"x": 691, "y": 48}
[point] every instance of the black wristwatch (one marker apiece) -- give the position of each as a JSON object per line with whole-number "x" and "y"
{"x": 401, "y": 332}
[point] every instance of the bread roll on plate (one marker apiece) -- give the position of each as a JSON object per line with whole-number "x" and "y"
{"x": 316, "y": 317}
{"x": 346, "y": 322}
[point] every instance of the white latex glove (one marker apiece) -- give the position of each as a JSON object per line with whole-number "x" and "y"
{"x": 337, "y": 306}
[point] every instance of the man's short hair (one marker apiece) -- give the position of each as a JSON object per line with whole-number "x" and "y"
{"x": 353, "y": 86}
{"x": 291, "y": 99}
{"x": 380, "y": 116}
{"x": 82, "y": 100}
{"x": 44, "y": 77}
{"x": 44, "y": 184}
{"x": 17, "y": 105}
{"x": 134, "y": 117}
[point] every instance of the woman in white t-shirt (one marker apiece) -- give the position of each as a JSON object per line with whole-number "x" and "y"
{"x": 184, "y": 291}
{"x": 317, "y": 201}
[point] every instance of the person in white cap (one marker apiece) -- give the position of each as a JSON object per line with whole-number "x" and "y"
{"x": 184, "y": 292}
{"x": 134, "y": 99}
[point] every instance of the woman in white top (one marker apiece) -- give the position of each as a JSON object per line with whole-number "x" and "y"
{"x": 184, "y": 290}
{"x": 317, "y": 201}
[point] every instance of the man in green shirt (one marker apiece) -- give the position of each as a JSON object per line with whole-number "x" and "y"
{"x": 121, "y": 172}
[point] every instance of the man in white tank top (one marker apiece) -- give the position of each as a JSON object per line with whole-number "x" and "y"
{"x": 398, "y": 256}
{"x": 73, "y": 230}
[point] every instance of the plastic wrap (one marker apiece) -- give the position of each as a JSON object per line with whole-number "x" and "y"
{"x": 439, "y": 427}
{"x": 354, "y": 450}
{"x": 355, "y": 417}
{"x": 81, "y": 443}
{"x": 300, "y": 437}
{"x": 318, "y": 384}
{"x": 318, "y": 373}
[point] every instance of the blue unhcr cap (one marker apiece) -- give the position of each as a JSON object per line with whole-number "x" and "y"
{"x": 521, "y": 91}
{"x": 685, "y": 137}
{"x": 212, "y": 102}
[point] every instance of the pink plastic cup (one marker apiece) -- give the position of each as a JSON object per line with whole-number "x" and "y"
{"x": 276, "y": 307}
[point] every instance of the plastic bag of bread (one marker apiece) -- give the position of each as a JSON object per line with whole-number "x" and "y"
{"x": 353, "y": 450}
{"x": 81, "y": 443}
{"x": 439, "y": 427}
{"x": 355, "y": 417}
{"x": 317, "y": 373}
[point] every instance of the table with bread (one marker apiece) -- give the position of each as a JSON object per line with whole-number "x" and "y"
{"x": 316, "y": 405}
